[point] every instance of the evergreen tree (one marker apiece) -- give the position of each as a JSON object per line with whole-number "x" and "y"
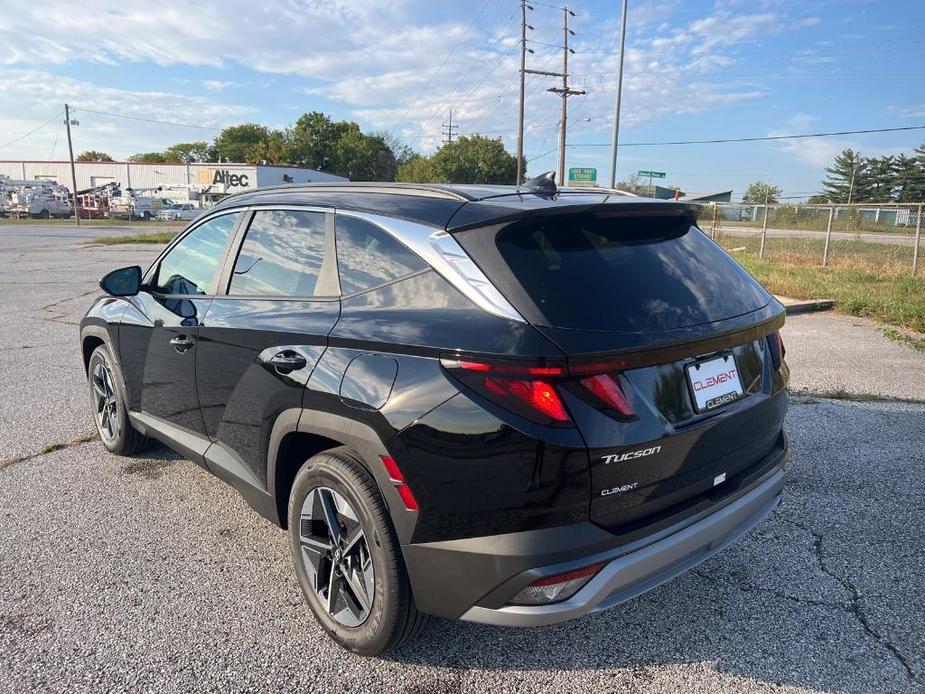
{"x": 881, "y": 176}
{"x": 847, "y": 178}
{"x": 909, "y": 178}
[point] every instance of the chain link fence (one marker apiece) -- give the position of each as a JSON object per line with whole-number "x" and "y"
{"x": 884, "y": 238}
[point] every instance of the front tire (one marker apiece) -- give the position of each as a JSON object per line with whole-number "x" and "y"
{"x": 107, "y": 403}
{"x": 347, "y": 557}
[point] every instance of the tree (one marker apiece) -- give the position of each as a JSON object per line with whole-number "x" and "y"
{"x": 362, "y": 157}
{"x": 188, "y": 152}
{"x": 275, "y": 149}
{"x": 881, "y": 176}
{"x": 235, "y": 142}
{"x": 314, "y": 138}
{"x": 847, "y": 179}
{"x": 472, "y": 159}
{"x": 416, "y": 169}
{"x": 149, "y": 158}
{"x": 633, "y": 185}
{"x": 93, "y": 155}
{"x": 760, "y": 192}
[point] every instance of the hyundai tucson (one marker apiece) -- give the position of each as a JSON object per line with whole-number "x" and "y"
{"x": 509, "y": 405}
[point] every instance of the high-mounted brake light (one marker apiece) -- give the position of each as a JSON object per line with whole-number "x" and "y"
{"x": 557, "y": 587}
{"x": 398, "y": 479}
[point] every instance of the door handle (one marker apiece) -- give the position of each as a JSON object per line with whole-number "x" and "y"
{"x": 181, "y": 343}
{"x": 288, "y": 361}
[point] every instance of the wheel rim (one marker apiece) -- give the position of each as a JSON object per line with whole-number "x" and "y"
{"x": 106, "y": 404}
{"x": 336, "y": 556}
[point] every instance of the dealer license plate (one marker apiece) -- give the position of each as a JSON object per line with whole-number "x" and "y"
{"x": 714, "y": 382}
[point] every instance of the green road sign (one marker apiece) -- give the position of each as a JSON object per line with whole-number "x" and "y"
{"x": 582, "y": 175}
{"x": 651, "y": 174}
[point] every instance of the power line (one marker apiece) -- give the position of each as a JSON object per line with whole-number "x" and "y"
{"x": 31, "y": 132}
{"x": 146, "y": 120}
{"x": 440, "y": 67}
{"x": 752, "y": 139}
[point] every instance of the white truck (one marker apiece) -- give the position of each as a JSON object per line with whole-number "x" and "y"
{"x": 38, "y": 199}
{"x": 130, "y": 203}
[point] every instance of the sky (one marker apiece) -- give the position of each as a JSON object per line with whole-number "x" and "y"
{"x": 694, "y": 69}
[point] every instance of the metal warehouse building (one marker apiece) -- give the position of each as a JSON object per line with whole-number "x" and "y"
{"x": 211, "y": 179}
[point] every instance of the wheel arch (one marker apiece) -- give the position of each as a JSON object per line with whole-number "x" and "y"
{"x": 300, "y": 433}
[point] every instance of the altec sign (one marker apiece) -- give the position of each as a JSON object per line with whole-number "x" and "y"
{"x": 232, "y": 180}
{"x": 223, "y": 177}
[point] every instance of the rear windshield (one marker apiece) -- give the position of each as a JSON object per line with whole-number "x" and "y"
{"x": 619, "y": 273}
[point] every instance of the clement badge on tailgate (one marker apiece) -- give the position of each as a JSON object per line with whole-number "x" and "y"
{"x": 714, "y": 382}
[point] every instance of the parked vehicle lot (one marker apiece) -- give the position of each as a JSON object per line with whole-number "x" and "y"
{"x": 148, "y": 573}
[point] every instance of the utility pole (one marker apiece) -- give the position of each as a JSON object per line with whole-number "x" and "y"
{"x": 70, "y": 151}
{"x": 616, "y": 115}
{"x": 564, "y": 91}
{"x": 449, "y": 129}
{"x": 523, "y": 74}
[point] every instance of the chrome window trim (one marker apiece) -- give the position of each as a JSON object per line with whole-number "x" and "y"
{"x": 441, "y": 251}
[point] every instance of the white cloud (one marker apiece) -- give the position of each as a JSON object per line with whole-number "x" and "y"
{"x": 218, "y": 85}
{"x": 28, "y": 97}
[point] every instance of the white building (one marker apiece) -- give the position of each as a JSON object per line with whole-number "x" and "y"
{"x": 211, "y": 180}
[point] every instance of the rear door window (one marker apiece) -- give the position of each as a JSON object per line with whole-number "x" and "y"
{"x": 368, "y": 257}
{"x": 618, "y": 273}
{"x": 281, "y": 255}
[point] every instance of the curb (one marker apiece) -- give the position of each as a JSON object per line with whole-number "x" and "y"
{"x": 807, "y": 306}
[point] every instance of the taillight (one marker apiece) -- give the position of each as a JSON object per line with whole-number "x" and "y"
{"x": 778, "y": 351}
{"x": 533, "y": 390}
{"x": 558, "y": 587}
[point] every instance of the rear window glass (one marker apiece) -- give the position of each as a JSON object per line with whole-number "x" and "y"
{"x": 624, "y": 273}
{"x": 368, "y": 257}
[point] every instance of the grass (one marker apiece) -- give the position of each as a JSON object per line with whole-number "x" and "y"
{"x": 158, "y": 237}
{"x": 872, "y": 280}
{"x": 915, "y": 341}
{"x": 91, "y": 222}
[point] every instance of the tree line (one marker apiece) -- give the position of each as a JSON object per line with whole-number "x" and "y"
{"x": 341, "y": 148}
{"x": 856, "y": 178}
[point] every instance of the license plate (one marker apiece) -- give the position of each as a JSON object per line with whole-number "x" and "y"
{"x": 714, "y": 382}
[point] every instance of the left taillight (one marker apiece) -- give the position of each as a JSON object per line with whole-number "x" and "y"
{"x": 778, "y": 351}
{"x": 533, "y": 390}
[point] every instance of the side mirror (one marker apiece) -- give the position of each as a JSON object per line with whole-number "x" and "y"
{"x": 126, "y": 281}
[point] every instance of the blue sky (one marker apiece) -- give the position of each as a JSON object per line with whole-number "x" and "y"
{"x": 695, "y": 69}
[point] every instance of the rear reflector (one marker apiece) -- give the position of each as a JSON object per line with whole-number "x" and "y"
{"x": 397, "y": 479}
{"x": 557, "y": 587}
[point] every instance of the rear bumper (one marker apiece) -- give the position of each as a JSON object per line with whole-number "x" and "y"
{"x": 630, "y": 574}
{"x": 475, "y": 578}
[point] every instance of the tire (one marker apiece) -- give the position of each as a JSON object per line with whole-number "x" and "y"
{"x": 146, "y": 216}
{"x": 107, "y": 390}
{"x": 391, "y": 618}
{"x": 44, "y": 215}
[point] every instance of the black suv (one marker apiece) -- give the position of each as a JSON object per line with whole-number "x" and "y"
{"x": 507, "y": 405}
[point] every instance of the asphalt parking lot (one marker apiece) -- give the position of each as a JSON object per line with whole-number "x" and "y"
{"x": 147, "y": 574}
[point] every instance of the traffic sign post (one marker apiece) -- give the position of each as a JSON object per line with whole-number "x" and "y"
{"x": 582, "y": 176}
{"x": 650, "y": 175}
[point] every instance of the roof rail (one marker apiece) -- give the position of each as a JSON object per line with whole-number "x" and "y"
{"x": 418, "y": 189}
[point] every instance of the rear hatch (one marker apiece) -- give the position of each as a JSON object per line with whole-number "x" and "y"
{"x": 648, "y": 309}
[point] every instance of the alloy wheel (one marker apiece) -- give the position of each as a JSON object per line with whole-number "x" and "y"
{"x": 105, "y": 401}
{"x": 336, "y": 556}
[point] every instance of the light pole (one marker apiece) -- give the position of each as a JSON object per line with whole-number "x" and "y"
{"x": 616, "y": 116}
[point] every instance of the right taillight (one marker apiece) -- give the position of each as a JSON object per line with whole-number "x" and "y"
{"x": 533, "y": 390}
{"x": 778, "y": 351}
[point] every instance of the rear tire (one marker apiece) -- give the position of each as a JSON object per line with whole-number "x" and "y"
{"x": 107, "y": 403}
{"x": 324, "y": 559}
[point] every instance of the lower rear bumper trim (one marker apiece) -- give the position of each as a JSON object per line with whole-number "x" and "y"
{"x": 629, "y": 575}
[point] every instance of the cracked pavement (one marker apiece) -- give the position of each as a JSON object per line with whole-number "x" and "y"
{"x": 147, "y": 574}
